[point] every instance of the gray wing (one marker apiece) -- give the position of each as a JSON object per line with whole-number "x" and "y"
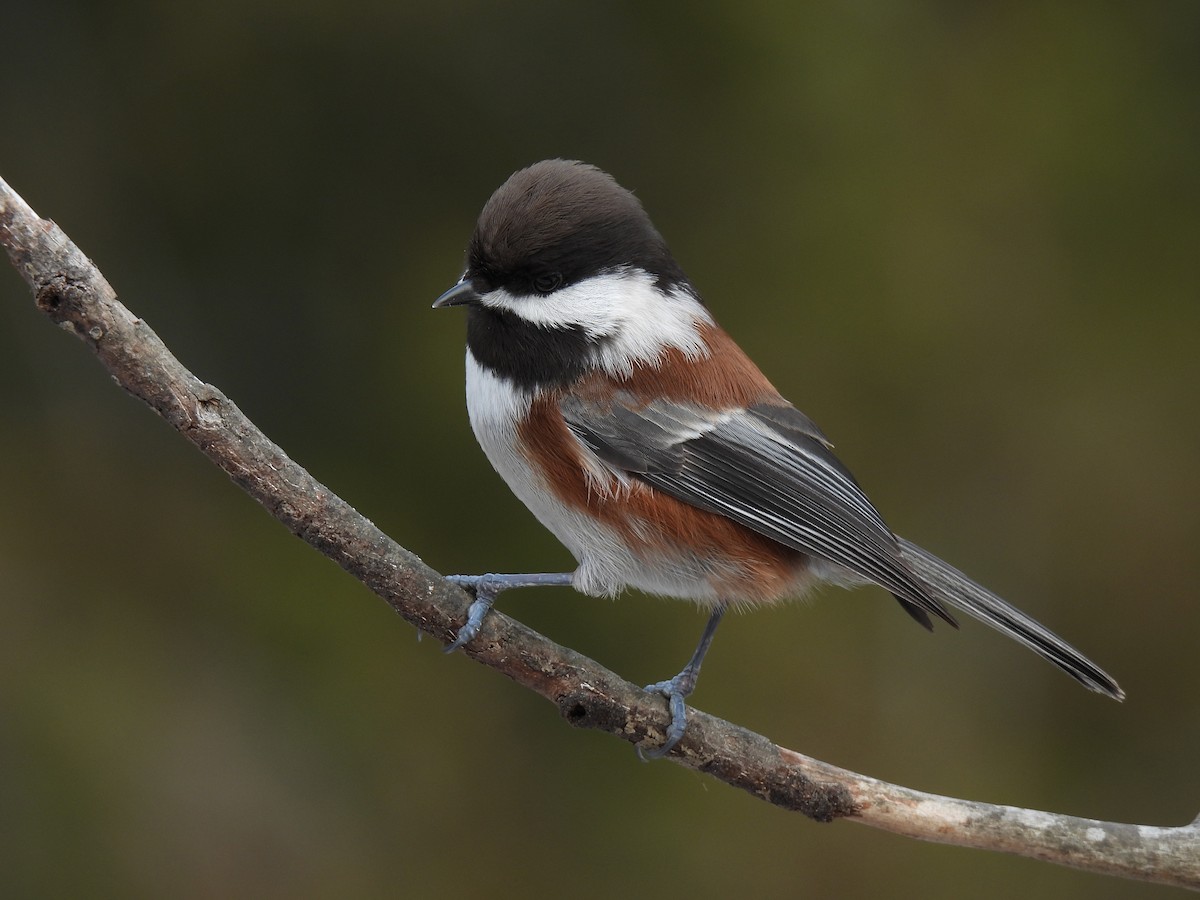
{"x": 770, "y": 468}
{"x": 767, "y": 467}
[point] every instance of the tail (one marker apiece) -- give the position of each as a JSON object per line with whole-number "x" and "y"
{"x": 953, "y": 587}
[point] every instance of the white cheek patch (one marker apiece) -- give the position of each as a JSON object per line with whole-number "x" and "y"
{"x": 630, "y": 319}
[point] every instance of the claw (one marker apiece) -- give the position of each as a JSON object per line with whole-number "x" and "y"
{"x": 486, "y": 590}
{"x": 676, "y": 691}
{"x": 484, "y": 598}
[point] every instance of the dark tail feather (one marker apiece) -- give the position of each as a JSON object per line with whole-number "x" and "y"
{"x": 953, "y": 587}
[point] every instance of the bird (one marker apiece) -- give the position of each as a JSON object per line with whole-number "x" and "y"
{"x": 604, "y": 393}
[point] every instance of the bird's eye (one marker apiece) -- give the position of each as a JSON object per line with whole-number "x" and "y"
{"x": 547, "y": 282}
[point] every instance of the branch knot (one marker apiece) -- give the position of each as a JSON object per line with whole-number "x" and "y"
{"x": 63, "y": 296}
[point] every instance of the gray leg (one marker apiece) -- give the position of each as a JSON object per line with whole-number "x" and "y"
{"x": 487, "y": 587}
{"x": 678, "y": 688}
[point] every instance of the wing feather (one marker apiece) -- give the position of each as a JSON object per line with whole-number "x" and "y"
{"x": 768, "y": 468}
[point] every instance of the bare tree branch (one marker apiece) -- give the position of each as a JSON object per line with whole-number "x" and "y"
{"x": 73, "y": 293}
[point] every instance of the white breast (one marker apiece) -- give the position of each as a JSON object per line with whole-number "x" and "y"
{"x": 495, "y": 406}
{"x": 606, "y": 565}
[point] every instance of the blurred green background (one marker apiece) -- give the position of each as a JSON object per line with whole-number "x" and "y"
{"x": 965, "y": 238}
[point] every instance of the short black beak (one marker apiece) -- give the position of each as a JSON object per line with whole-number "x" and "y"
{"x": 462, "y": 294}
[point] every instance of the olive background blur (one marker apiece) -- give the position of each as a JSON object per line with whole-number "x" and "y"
{"x": 964, "y": 239}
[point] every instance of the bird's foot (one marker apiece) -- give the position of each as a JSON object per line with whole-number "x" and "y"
{"x": 487, "y": 588}
{"x": 676, "y": 691}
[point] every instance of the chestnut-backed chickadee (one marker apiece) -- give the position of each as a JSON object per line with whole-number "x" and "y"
{"x": 607, "y": 397}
